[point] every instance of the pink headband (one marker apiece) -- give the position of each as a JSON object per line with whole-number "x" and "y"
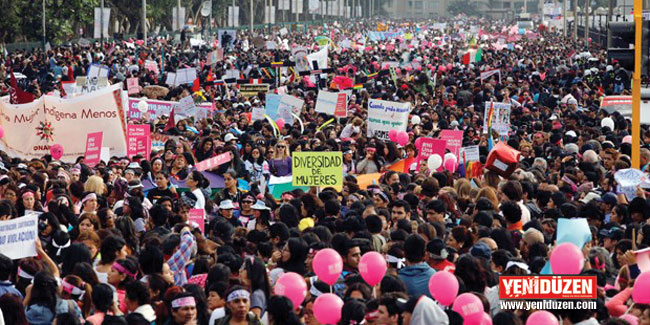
{"x": 90, "y": 196}
{"x": 182, "y": 302}
{"x": 287, "y": 196}
{"x": 28, "y": 194}
{"x": 120, "y": 268}
{"x": 71, "y": 289}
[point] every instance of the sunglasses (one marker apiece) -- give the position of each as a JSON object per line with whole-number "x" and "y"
{"x": 249, "y": 202}
{"x": 281, "y": 147}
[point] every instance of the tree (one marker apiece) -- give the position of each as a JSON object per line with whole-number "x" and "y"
{"x": 469, "y": 8}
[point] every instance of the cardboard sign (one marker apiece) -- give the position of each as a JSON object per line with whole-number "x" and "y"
{"x": 213, "y": 162}
{"x": 500, "y": 118}
{"x": 93, "y": 148}
{"x": 197, "y": 218}
{"x": 151, "y": 66}
{"x": 139, "y": 141}
{"x": 332, "y": 103}
{"x": 454, "y": 140}
{"x": 317, "y": 168}
{"x": 132, "y": 86}
{"x": 467, "y": 154}
{"x": 250, "y": 90}
{"x": 289, "y": 105}
{"x": 18, "y": 237}
{"x": 258, "y": 113}
{"x": 430, "y": 147}
{"x": 157, "y": 108}
{"x": 384, "y": 116}
{"x": 186, "y": 107}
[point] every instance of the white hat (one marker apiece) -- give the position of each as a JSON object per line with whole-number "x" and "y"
{"x": 571, "y": 133}
{"x": 229, "y": 137}
{"x": 260, "y": 205}
{"x": 572, "y": 101}
{"x": 133, "y": 165}
{"x": 553, "y": 117}
{"x": 226, "y": 205}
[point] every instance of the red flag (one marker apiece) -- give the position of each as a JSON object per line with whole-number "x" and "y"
{"x": 196, "y": 85}
{"x": 170, "y": 123}
{"x": 18, "y": 95}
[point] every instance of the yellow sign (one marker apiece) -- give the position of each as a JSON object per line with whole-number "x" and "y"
{"x": 311, "y": 168}
{"x": 408, "y": 36}
{"x": 250, "y": 90}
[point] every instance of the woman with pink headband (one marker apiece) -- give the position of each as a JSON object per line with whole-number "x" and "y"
{"x": 123, "y": 272}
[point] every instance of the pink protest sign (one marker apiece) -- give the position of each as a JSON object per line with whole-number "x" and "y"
{"x": 93, "y": 148}
{"x": 430, "y": 146}
{"x": 341, "y": 108}
{"x": 132, "y": 85}
{"x": 139, "y": 141}
{"x": 454, "y": 140}
{"x": 197, "y": 217}
{"x": 213, "y": 162}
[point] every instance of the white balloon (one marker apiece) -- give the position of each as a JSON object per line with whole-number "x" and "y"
{"x": 607, "y": 122}
{"x": 143, "y": 106}
{"x": 434, "y": 161}
{"x": 415, "y": 120}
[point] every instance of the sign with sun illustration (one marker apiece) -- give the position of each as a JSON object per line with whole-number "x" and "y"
{"x": 45, "y": 131}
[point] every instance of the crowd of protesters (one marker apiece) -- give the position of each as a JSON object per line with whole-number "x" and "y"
{"x": 112, "y": 252}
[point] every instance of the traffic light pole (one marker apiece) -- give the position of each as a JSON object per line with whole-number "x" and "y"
{"x": 636, "y": 85}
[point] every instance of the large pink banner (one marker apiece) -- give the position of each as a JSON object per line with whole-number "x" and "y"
{"x": 454, "y": 140}
{"x": 430, "y": 146}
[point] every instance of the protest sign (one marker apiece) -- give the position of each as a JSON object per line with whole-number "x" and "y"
{"x": 93, "y": 148}
{"x": 171, "y": 79}
{"x": 197, "y": 218}
{"x": 132, "y": 85}
{"x": 139, "y": 140}
{"x": 332, "y": 103}
{"x": 213, "y": 162}
{"x": 430, "y": 146}
{"x": 232, "y": 74}
{"x": 151, "y": 66}
{"x": 158, "y": 140}
{"x": 186, "y": 107}
{"x": 470, "y": 153}
{"x": 500, "y": 118}
{"x": 289, "y": 105}
{"x": 105, "y": 154}
{"x": 31, "y": 129}
{"x": 185, "y": 76}
{"x": 454, "y": 140}
{"x": 283, "y": 31}
{"x": 627, "y": 181}
{"x": 250, "y": 90}
{"x": 157, "y": 108}
{"x": 299, "y": 54}
{"x": 18, "y": 237}
{"x": 384, "y": 116}
{"x": 258, "y": 113}
{"x": 318, "y": 60}
{"x": 489, "y": 73}
{"x": 272, "y": 104}
{"x": 96, "y": 71}
{"x": 311, "y": 168}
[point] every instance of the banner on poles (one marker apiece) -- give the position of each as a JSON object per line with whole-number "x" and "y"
{"x": 213, "y": 162}
{"x": 31, "y": 129}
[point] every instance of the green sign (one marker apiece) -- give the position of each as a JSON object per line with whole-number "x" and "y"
{"x": 317, "y": 168}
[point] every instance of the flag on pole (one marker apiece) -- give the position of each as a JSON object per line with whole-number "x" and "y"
{"x": 489, "y": 129}
{"x": 472, "y": 55}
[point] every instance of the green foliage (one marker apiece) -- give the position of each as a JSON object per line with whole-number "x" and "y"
{"x": 467, "y": 7}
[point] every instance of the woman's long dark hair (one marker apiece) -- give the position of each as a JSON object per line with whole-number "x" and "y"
{"x": 13, "y": 310}
{"x": 260, "y": 159}
{"x": 299, "y": 250}
{"x": 281, "y": 309}
{"x": 44, "y": 290}
{"x": 257, "y": 275}
{"x": 200, "y": 154}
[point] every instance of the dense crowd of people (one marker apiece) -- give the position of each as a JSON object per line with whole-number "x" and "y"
{"x": 112, "y": 251}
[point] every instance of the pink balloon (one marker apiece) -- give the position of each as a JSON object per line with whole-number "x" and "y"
{"x": 372, "y": 268}
{"x": 402, "y": 138}
{"x": 328, "y": 265}
{"x": 449, "y": 66}
{"x": 56, "y": 151}
{"x": 451, "y": 163}
{"x": 542, "y": 317}
{"x": 641, "y": 292}
{"x": 409, "y": 69}
{"x": 469, "y": 307}
{"x": 392, "y": 135}
{"x": 486, "y": 320}
{"x": 280, "y": 123}
{"x": 2, "y": 132}
{"x": 292, "y": 286}
{"x": 443, "y": 287}
{"x": 327, "y": 308}
{"x": 442, "y": 69}
{"x": 567, "y": 258}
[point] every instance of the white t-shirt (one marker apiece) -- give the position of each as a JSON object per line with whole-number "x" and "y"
{"x": 216, "y": 314}
{"x": 200, "y": 199}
